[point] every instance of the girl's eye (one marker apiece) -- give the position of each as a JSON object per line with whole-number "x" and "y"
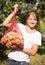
{"x": 32, "y": 19}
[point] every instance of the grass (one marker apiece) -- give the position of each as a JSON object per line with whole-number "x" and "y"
{"x": 38, "y": 59}
{"x": 3, "y": 62}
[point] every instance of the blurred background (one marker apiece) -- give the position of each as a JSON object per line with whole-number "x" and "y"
{"x": 6, "y": 7}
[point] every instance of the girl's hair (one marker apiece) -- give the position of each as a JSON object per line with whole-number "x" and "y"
{"x": 37, "y": 16}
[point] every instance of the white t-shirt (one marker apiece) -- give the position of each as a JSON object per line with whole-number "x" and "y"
{"x": 29, "y": 40}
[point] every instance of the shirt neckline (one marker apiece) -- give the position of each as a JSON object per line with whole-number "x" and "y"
{"x": 30, "y": 33}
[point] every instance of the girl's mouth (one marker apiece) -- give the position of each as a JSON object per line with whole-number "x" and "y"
{"x": 32, "y": 23}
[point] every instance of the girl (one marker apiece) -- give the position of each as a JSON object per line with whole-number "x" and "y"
{"x": 32, "y": 39}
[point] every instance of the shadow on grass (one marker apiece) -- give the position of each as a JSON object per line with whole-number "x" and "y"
{"x": 41, "y": 49}
{"x": 3, "y": 56}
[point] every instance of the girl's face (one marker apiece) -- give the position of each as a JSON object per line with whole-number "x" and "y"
{"x": 32, "y": 20}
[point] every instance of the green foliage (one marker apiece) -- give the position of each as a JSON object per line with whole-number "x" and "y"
{"x": 41, "y": 8}
{"x": 42, "y": 26}
{"x": 6, "y": 7}
{"x": 2, "y": 30}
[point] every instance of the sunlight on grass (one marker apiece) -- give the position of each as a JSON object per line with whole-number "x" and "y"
{"x": 3, "y": 62}
{"x": 38, "y": 59}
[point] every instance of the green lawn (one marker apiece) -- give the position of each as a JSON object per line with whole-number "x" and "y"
{"x": 38, "y": 59}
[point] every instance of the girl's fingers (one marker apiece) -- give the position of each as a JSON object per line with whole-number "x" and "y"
{"x": 8, "y": 45}
{"x": 14, "y": 47}
{"x": 15, "y": 6}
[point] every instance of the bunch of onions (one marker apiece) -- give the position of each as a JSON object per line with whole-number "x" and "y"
{"x": 12, "y": 38}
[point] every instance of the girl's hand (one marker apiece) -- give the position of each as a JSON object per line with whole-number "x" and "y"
{"x": 19, "y": 47}
{"x": 15, "y": 8}
{"x": 9, "y": 45}
{"x": 14, "y": 47}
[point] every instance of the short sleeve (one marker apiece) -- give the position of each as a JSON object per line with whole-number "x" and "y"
{"x": 21, "y": 27}
{"x": 37, "y": 39}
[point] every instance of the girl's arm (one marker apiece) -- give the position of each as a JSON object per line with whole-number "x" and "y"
{"x": 31, "y": 51}
{"x": 8, "y": 19}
